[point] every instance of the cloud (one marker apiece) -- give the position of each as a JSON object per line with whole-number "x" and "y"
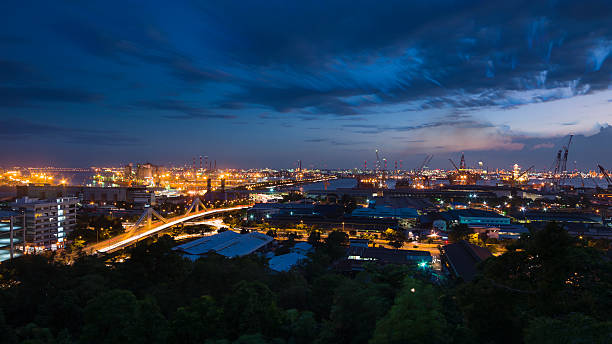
{"x": 179, "y": 109}
{"x": 143, "y": 47}
{"x": 15, "y": 129}
{"x": 441, "y": 54}
{"x": 16, "y": 72}
{"x": 28, "y": 96}
{"x": 543, "y": 145}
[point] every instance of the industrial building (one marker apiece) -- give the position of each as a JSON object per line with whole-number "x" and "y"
{"x": 461, "y": 259}
{"x": 229, "y": 244}
{"x": 471, "y": 216}
{"x": 47, "y": 222}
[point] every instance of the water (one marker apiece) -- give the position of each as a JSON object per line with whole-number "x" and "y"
{"x": 351, "y": 183}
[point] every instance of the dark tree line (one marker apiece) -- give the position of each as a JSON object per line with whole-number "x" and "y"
{"x": 548, "y": 289}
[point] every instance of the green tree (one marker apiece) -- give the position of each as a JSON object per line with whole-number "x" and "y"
{"x": 459, "y": 232}
{"x": 251, "y": 307}
{"x": 314, "y": 238}
{"x": 118, "y": 317}
{"x": 575, "y": 328}
{"x": 415, "y": 317}
{"x": 303, "y": 327}
{"x": 396, "y": 238}
{"x": 199, "y": 321}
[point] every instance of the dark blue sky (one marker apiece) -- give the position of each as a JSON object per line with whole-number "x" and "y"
{"x": 265, "y": 83}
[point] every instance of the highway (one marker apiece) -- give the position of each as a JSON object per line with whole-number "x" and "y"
{"x": 128, "y": 238}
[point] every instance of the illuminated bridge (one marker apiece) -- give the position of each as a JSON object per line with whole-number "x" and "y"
{"x": 137, "y": 233}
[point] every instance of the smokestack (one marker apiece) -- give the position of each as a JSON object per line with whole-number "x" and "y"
{"x": 200, "y": 162}
{"x": 215, "y": 168}
{"x": 365, "y": 164}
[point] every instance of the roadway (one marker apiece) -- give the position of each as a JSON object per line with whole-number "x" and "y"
{"x": 133, "y": 236}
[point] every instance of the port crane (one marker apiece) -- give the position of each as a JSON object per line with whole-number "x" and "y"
{"x": 560, "y": 163}
{"x": 418, "y": 175}
{"x": 425, "y": 162}
{"x": 606, "y": 175}
{"x": 454, "y": 165}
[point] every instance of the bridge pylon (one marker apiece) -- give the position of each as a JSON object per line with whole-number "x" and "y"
{"x": 195, "y": 205}
{"x": 147, "y": 216}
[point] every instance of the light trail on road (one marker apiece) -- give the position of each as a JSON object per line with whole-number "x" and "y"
{"x": 164, "y": 226}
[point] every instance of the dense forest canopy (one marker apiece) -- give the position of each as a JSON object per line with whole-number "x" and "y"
{"x": 549, "y": 288}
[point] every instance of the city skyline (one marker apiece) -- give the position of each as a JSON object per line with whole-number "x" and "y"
{"x": 253, "y": 84}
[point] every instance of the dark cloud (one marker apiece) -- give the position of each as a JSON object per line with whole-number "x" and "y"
{"x": 15, "y": 129}
{"x": 440, "y": 54}
{"x": 143, "y": 47}
{"x": 445, "y": 122}
{"x": 28, "y": 96}
{"x": 179, "y": 109}
{"x": 16, "y": 72}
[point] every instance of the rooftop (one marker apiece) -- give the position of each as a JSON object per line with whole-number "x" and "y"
{"x": 229, "y": 243}
{"x": 463, "y": 258}
{"x": 285, "y": 262}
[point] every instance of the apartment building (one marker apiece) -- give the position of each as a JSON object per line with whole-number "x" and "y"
{"x": 47, "y": 222}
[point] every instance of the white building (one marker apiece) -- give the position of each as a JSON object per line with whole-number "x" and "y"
{"x": 47, "y": 222}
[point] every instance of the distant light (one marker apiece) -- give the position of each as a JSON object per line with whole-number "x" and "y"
{"x": 412, "y": 290}
{"x": 422, "y": 265}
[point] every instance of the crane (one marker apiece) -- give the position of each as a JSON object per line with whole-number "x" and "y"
{"x": 455, "y": 166}
{"x": 565, "y": 152}
{"x": 606, "y": 175}
{"x": 560, "y": 163}
{"x": 425, "y": 162}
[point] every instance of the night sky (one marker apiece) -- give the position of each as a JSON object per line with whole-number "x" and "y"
{"x": 265, "y": 83}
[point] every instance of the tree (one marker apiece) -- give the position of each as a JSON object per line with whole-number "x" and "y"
{"x": 574, "y": 328}
{"x": 314, "y": 238}
{"x": 252, "y": 308}
{"x": 415, "y": 317}
{"x": 199, "y": 321}
{"x": 459, "y": 232}
{"x": 396, "y": 238}
{"x": 356, "y": 308}
{"x": 335, "y": 242}
{"x": 118, "y": 317}
{"x": 553, "y": 275}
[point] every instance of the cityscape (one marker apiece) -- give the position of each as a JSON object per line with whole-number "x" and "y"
{"x": 320, "y": 172}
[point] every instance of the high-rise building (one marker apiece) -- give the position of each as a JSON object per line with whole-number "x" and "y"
{"x": 47, "y": 222}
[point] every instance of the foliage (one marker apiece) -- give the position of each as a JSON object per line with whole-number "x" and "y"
{"x": 396, "y": 238}
{"x": 459, "y": 232}
{"x": 547, "y": 288}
